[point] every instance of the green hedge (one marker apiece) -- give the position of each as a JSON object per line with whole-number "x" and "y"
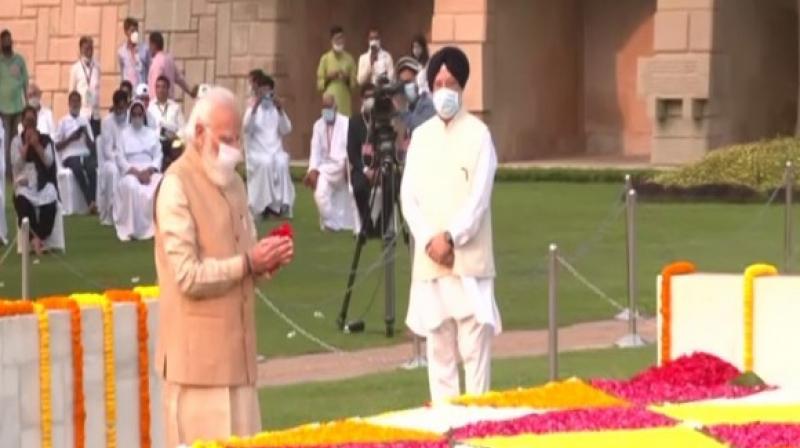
{"x": 535, "y": 174}
{"x": 758, "y": 165}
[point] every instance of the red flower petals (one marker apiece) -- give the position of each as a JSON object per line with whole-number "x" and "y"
{"x": 758, "y": 435}
{"x": 699, "y": 376}
{"x": 284, "y": 229}
{"x": 564, "y": 421}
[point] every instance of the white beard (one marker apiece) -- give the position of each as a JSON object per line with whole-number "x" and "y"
{"x": 219, "y": 177}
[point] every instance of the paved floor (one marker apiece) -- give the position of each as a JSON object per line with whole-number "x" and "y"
{"x": 339, "y": 366}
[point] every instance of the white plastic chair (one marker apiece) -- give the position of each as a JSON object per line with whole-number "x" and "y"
{"x": 56, "y": 240}
{"x": 72, "y": 199}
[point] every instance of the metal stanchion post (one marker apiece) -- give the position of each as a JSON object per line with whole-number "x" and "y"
{"x": 632, "y": 339}
{"x": 788, "y": 235}
{"x": 24, "y": 240}
{"x": 625, "y": 314}
{"x": 552, "y": 314}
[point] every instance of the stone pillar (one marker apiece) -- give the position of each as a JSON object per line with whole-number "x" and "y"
{"x": 677, "y": 80}
{"x": 465, "y": 23}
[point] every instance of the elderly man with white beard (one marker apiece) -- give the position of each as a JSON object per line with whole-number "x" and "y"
{"x": 208, "y": 261}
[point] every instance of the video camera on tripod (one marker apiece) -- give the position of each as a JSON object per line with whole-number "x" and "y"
{"x": 386, "y": 161}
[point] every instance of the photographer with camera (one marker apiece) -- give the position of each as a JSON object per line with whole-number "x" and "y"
{"x": 269, "y": 184}
{"x": 446, "y": 200}
{"x": 375, "y": 63}
{"x": 419, "y": 104}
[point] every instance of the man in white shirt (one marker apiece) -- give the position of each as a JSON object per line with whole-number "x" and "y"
{"x": 446, "y": 198}
{"x": 44, "y": 119}
{"x": 327, "y": 168}
{"x": 75, "y": 144}
{"x": 269, "y": 184}
{"x": 375, "y": 63}
{"x": 84, "y": 78}
{"x": 168, "y": 118}
{"x": 108, "y": 173}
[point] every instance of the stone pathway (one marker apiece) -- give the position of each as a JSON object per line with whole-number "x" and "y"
{"x": 339, "y": 366}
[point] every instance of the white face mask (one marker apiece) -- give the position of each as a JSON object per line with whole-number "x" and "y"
{"x": 222, "y": 168}
{"x": 34, "y": 102}
{"x": 447, "y": 102}
{"x": 417, "y": 51}
{"x": 329, "y": 115}
{"x": 375, "y": 43}
{"x": 338, "y": 48}
{"x": 411, "y": 92}
{"x": 135, "y": 37}
{"x": 137, "y": 123}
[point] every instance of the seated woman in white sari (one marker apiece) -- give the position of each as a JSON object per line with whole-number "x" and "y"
{"x": 34, "y": 174}
{"x": 139, "y": 161}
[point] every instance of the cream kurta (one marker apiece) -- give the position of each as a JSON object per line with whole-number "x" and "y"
{"x": 133, "y": 203}
{"x": 433, "y": 301}
{"x": 203, "y": 232}
{"x": 329, "y": 156}
{"x": 454, "y": 308}
{"x": 269, "y": 183}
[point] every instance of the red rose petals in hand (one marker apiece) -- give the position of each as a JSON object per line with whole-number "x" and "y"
{"x": 284, "y": 229}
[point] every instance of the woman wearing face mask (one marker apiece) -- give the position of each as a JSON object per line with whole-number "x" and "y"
{"x": 138, "y": 160}
{"x": 34, "y": 174}
{"x": 419, "y": 49}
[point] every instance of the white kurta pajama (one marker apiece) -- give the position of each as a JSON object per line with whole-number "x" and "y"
{"x": 107, "y": 170}
{"x": 133, "y": 203}
{"x": 328, "y": 155}
{"x": 456, "y": 313}
{"x": 269, "y": 183}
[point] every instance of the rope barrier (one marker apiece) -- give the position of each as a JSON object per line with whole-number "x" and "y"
{"x": 294, "y": 325}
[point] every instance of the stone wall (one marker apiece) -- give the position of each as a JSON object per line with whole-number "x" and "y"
{"x": 20, "y": 417}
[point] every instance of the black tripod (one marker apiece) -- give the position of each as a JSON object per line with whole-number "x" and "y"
{"x": 387, "y": 179}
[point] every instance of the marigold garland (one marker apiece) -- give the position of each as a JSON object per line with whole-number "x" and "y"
{"x": 124, "y": 296}
{"x": 15, "y": 308}
{"x": 750, "y": 274}
{"x": 109, "y": 375}
{"x": 79, "y": 404}
{"x": 148, "y": 292}
{"x": 669, "y": 271}
{"x": 569, "y": 394}
{"x": 45, "y": 377}
{"x": 335, "y": 433}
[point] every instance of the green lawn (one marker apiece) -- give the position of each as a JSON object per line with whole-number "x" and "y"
{"x": 287, "y": 406}
{"x": 527, "y": 217}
